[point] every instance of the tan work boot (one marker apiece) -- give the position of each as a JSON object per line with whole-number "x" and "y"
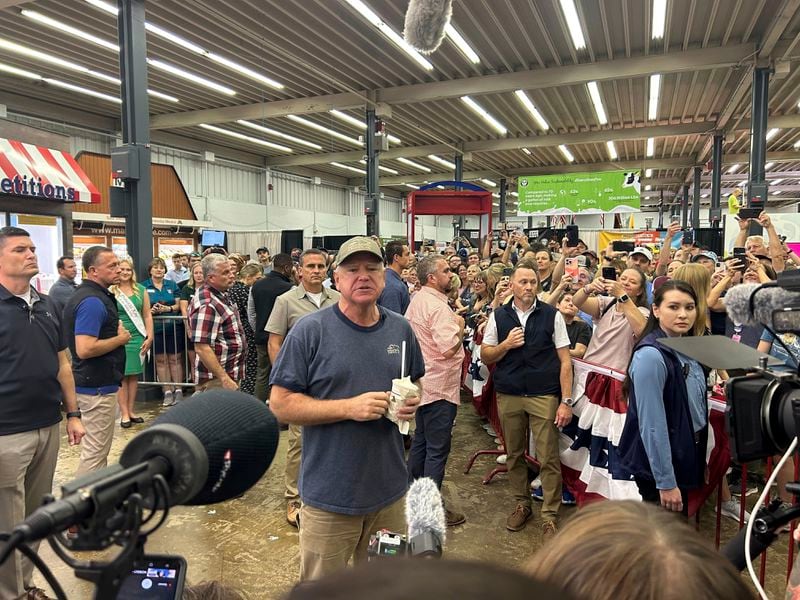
{"x": 517, "y": 519}
{"x": 453, "y": 518}
{"x": 549, "y": 529}
{"x": 293, "y": 513}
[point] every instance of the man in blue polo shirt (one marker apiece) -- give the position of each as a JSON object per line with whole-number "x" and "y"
{"x": 395, "y": 295}
{"x": 35, "y": 379}
{"x": 97, "y": 341}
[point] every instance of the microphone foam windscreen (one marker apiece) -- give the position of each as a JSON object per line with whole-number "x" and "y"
{"x": 425, "y": 23}
{"x": 239, "y": 433}
{"x": 737, "y": 303}
{"x": 424, "y": 509}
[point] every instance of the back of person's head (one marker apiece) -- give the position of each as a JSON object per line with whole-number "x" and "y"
{"x": 281, "y": 262}
{"x": 392, "y": 250}
{"x": 697, "y": 276}
{"x": 621, "y": 550}
{"x": 408, "y": 578}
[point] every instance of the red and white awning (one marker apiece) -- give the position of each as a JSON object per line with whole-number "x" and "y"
{"x": 38, "y": 172}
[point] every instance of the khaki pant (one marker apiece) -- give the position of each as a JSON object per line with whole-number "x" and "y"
{"x": 293, "y": 455}
{"x": 27, "y": 465}
{"x": 329, "y": 540}
{"x": 98, "y": 415}
{"x": 517, "y": 413}
{"x": 263, "y": 369}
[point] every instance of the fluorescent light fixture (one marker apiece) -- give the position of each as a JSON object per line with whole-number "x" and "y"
{"x": 480, "y": 111}
{"x": 775, "y": 181}
{"x": 178, "y": 72}
{"x": 526, "y": 151}
{"x": 650, "y": 149}
{"x": 360, "y": 124}
{"x": 597, "y": 101}
{"x": 42, "y": 56}
{"x": 234, "y": 66}
{"x": 82, "y": 90}
{"x": 648, "y": 187}
{"x": 515, "y": 194}
{"x": 612, "y": 150}
{"x": 742, "y": 183}
{"x": 777, "y": 192}
{"x": 655, "y": 88}
{"x": 347, "y": 167}
{"x": 734, "y": 168}
{"x": 488, "y": 182}
{"x": 64, "y": 28}
{"x": 247, "y": 138}
{"x": 797, "y": 144}
{"x": 19, "y": 72}
{"x": 106, "y": 6}
{"x": 772, "y": 133}
{"x": 366, "y": 12}
{"x": 495, "y": 204}
{"x": 163, "y": 96}
{"x": 648, "y": 172}
{"x": 704, "y": 195}
{"x": 462, "y": 44}
{"x": 279, "y": 134}
{"x": 175, "y": 39}
{"x": 381, "y": 168}
{"x": 573, "y": 23}
{"x": 567, "y": 154}
{"x": 326, "y": 130}
{"x": 531, "y": 108}
{"x": 413, "y": 187}
{"x": 768, "y": 166}
{"x": 659, "y": 19}
{"x": 413, "y": 164}
{"x": 442, "y": 161}
{"x": 495, "y": 195}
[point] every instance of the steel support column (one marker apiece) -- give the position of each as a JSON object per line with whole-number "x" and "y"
{"x": 715, "y": 212}
{"x": 372, "y": 200}
{"x": 696, "y": 200}
{"x": 459, "y": 176}
{"x": 131, "y": 161}
{"x": 757, "y": 186}
{"x": 685, "y": 207}
{"x": 503, "y": 190}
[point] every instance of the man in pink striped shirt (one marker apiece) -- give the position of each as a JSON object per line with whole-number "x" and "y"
{"x": 440, "y": 332}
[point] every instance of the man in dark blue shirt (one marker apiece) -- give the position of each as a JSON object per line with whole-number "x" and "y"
{"x": 35, "y": 380}
{"x": 395, "y": 295}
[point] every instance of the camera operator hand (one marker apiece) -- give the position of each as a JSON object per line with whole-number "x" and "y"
{"x": 671, "y": 499}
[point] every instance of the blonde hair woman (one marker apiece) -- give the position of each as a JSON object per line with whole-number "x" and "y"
{"x": 133, "y": 305}
{"x": 698, "y": 277}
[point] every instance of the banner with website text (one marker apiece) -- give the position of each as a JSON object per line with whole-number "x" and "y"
{"x": 579, "y": 193}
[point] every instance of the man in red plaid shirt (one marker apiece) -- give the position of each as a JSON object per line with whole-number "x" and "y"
{"x": 216, "y": 328}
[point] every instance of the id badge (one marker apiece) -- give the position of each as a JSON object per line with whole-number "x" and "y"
{"x": 736, "y": 338}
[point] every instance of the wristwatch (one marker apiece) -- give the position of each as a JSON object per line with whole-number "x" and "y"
{"x": 624, "y": 298}
{"x": 74, "y": 414}
{"x": 568, "y": 401}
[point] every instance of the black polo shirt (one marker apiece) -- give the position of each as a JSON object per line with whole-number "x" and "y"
{"x": 30, "y": 340}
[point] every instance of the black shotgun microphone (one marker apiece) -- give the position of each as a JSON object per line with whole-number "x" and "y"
{"x": 426, "y": 21}
{"x": 210, "y": 448}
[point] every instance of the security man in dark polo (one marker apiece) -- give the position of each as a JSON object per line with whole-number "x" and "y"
{"x": 35, "y": 380}
{"x": 97, "y": 341}
{"x": 528, "y": 342}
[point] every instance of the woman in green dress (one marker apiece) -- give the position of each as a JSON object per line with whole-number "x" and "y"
{"x": 134, "y": 313}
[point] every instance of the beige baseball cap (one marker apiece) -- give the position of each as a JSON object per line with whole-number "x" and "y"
{"x": 358, "y": 244}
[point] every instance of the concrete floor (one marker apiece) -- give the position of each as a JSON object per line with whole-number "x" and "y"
{"x": 247, "y": 543}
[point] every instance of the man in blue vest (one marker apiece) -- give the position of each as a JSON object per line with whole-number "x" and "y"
{"x": 528, "y": 342}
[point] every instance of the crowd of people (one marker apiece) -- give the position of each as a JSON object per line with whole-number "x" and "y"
{"x": 337, "y": 341}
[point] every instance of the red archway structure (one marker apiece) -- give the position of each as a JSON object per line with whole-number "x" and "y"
{"x": 427, "y": 201}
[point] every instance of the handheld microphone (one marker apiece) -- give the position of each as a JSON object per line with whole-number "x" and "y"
{"x": 734, "y": 549}
{"x": 426, "y": 21}
{"x": 427, "y": 526}
{"x": 208, "y": 449}
{"x": 766, "y": 301}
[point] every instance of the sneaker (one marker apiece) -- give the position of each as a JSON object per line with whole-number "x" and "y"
{"x": 35, "y": 593}
{"x": 516, "y": 520}
{"x": 169, "y": 399}
{"x": 178, "y": 396}
{"x": 567, "y": 498}
{"x": 538, "y": 494}
{"x": 536, "y": 483}
{"x": 453, "y": 518}
{"x": 501, "y": 460}
{"x": 491, "y": 432}
{"x": 549, "y": 529}
{"x": 732, "y": 509}
{"x": 293, "y": 513}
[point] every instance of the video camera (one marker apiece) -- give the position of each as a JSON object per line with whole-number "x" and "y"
{"x": 385, "y": 543}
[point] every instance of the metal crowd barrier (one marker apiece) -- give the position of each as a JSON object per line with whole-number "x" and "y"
{"x": 169, "y": 334}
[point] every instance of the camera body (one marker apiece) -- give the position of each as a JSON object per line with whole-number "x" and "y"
{"x": 389, "y": 544}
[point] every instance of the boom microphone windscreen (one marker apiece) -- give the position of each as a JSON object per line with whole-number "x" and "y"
{"x": 766, "y": 301}
{"x": 238, "y": 432}
{"x": 425, "y": 23}
{"x": 424, "y": 509}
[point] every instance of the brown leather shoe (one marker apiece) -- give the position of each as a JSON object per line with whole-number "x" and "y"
{"x": 35, "y": 593}
{"x": 453, "y": 518}
{"x": 549, "y": 529}
{"x": 517, "y": 519}
{"x": 293, "y": 513}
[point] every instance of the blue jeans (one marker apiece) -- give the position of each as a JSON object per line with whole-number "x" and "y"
{"x": 431, "y": 446}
